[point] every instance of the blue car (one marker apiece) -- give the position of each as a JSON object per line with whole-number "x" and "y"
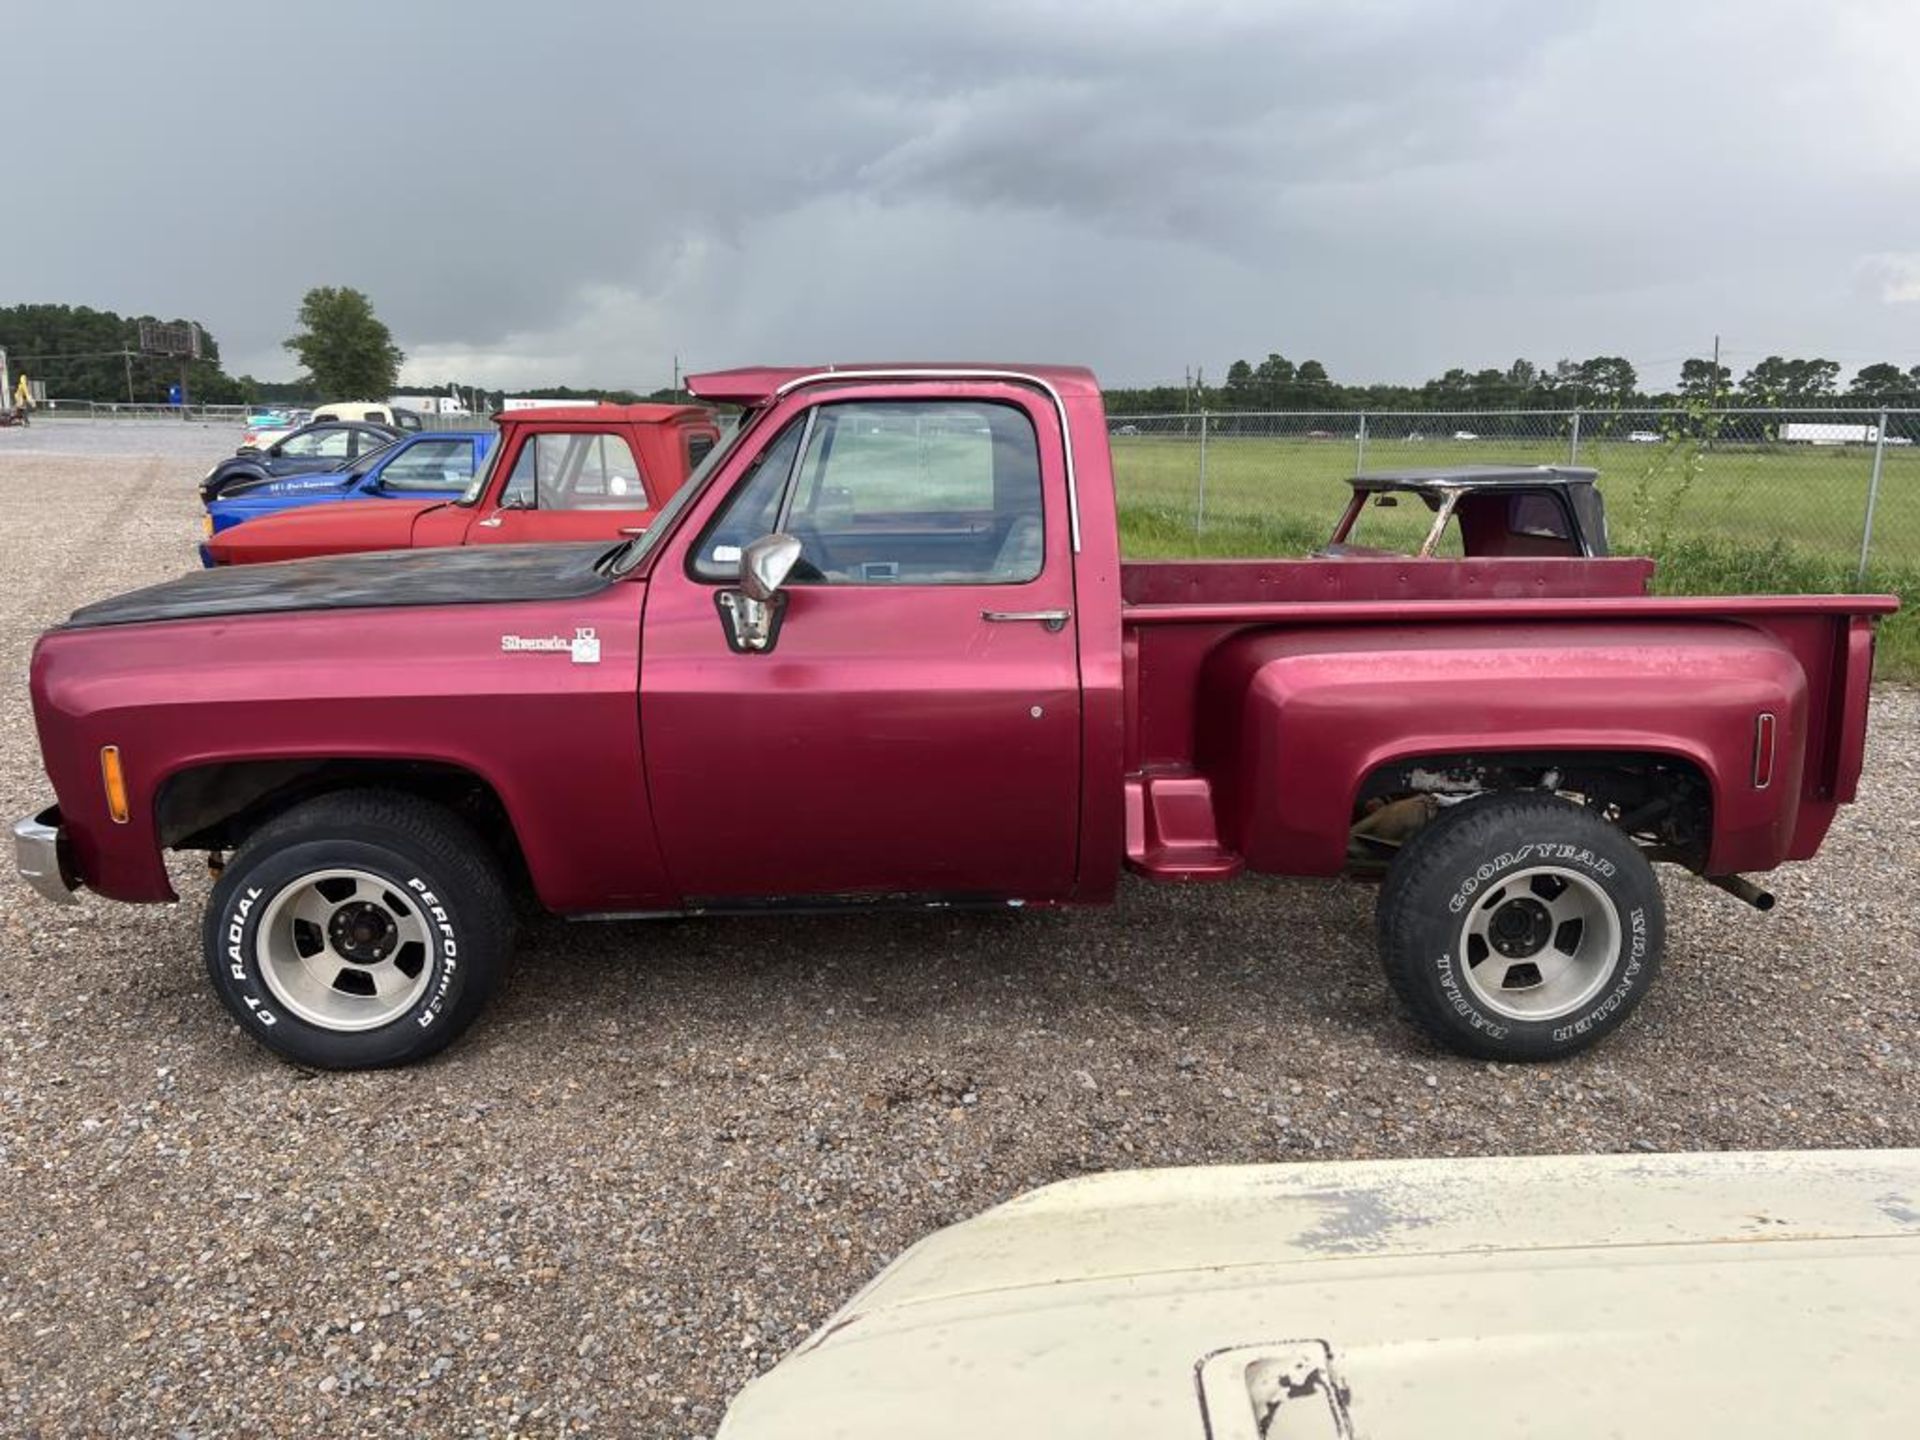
{"x": 438, "y": 463}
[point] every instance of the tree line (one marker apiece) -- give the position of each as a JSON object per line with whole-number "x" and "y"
{"x": 345, "y": 350}
{"x": 87, "y": 354}
{"x": 1607, "y": 382}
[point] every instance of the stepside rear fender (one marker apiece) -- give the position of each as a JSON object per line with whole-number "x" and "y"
{"x": 1292, "y": 722}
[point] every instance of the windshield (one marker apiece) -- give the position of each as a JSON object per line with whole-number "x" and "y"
{"x": 1400, "y": 522}
{"x": 637, "y": 549}
{"x": 368, "y": 459}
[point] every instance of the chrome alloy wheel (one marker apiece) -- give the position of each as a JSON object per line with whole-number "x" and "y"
{"x": 1541, "y": 944}
{"x": 343, "y": 950}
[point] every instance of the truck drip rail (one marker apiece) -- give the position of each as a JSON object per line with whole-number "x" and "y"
{"x": 1018, "y": 377}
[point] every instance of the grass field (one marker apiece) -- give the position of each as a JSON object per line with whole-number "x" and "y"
{"x": 1733, "y": 520}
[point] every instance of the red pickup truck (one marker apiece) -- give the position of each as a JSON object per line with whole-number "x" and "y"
{"x": 562, "y": 472}
{"x": 884, "y": 651}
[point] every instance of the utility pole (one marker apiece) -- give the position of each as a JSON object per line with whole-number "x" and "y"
{"x": 1713, "y": 392}
{"x": 676, "y": 377}
{"x": 126, "y": 357}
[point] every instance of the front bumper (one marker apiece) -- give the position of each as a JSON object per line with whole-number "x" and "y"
{"x": 40, "y": 855}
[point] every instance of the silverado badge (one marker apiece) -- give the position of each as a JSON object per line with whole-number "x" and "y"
{"x": 584, "y": 646}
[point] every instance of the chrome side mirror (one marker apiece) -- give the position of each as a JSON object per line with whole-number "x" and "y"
{"x": 765, "y": 565}
{"x": 751, "y": 614}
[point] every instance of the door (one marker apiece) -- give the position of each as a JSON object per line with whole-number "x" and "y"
{"x": 580, "y": 484}
{"x": 915, "y": 727}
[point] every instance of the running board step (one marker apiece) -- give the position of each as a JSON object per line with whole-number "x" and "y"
{"x": 1171, "y": 829}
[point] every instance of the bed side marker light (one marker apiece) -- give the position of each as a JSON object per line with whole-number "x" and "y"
{"x": 1763, "y": 747}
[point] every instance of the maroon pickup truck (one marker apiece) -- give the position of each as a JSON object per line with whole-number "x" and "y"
{"x": 883, "y": 650}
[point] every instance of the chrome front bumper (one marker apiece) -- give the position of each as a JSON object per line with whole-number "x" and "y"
{"x": 39, "y": 854}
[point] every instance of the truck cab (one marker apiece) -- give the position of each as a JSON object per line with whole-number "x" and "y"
{"x": 563, "y": 473}
{"x": 1478, "y": 511}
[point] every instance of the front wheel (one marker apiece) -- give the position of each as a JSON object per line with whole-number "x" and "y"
{"x": 358, "y": 930}
{"x": 1520, "y": 927}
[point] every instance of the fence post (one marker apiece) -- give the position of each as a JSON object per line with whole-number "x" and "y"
{"x": 1573, "y": 450}
{"x": 1360, "y": 446}
{"x": 1200, "y": 507}
{"x": 1873, "y": 496}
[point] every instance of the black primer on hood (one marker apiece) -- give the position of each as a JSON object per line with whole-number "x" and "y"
{"x": 479, "y": 574}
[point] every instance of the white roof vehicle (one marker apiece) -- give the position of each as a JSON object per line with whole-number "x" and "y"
{"x": 373, "y": 412}
{"x": 1750, "y": 1295}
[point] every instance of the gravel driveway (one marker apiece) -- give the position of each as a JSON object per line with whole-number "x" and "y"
{"x": 672, "y": 1148}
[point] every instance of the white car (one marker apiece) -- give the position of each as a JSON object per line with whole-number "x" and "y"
{"x": 1465, "y": 435}
{"x": 1644, "y": 437}
{"x": 372, "y": 412}
{"x": 1761, "y": 1295}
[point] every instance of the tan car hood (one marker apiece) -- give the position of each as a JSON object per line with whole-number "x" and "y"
{"x": 1746, "y": 1294}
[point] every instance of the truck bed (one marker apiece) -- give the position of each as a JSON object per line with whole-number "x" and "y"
{"x": 1197, "y": 633}
{"x": 1210, "y": 582}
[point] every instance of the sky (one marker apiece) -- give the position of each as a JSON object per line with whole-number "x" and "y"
{"x": 580, "y": 191}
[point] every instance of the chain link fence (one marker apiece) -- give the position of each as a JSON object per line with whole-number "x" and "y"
{"x": 57, "y": 409}
{"x": 235, "y": 415}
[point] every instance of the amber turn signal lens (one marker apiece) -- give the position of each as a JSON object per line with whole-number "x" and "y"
{"x": 115, "y": 781}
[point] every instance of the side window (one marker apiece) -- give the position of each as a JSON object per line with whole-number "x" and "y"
{"x": 299, "y": 446}
{"x": 936, "y": 492}
{"x": 1539, "y": 515}
{"x": 430, "y": 465}
{"x": 583, "y": 471}
{"x": 329, "y": 444}
{"x": 698, "y": 448}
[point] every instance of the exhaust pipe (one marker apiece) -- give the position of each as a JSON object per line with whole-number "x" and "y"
{"x": 1742, "y": 888}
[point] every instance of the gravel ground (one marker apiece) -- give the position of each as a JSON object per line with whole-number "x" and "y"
{"x": 671, "y": 1149}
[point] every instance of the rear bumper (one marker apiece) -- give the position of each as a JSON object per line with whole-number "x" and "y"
{"x": 40, "y": 854}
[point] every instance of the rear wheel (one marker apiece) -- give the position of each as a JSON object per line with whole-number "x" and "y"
{"x": 358, "y": 930}
{"x": 1520, "y": 927}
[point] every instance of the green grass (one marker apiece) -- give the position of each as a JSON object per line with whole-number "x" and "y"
{"x": 1738, "y": 519}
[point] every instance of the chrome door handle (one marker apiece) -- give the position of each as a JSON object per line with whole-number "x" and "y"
{"x": 1053, "y": 619}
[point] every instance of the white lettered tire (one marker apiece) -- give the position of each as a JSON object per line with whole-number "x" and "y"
{"x": 357, "y": 930}
{"x": 1520, "y": 927}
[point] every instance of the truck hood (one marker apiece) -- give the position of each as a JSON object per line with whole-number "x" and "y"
{"x": 496, "y": 574}
{"x": 348, "y": 524}
{"x": 1677, "y": 1295}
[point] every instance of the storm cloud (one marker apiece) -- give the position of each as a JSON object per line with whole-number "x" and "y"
{"x": 579, "y": 192}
